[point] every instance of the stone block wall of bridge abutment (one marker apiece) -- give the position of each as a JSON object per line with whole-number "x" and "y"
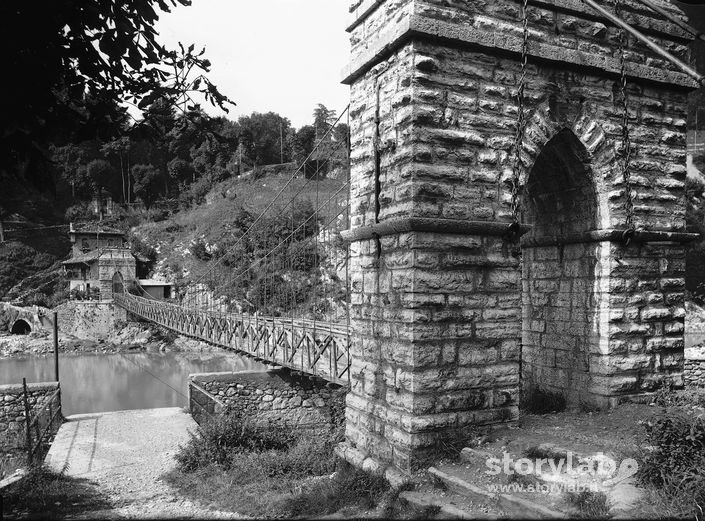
{"x": 452, "y": 322}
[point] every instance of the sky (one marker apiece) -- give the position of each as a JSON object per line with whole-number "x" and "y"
{"x": 284, "y": 56}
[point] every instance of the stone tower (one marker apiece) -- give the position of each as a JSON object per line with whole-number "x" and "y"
{"x": 451, "y": 319}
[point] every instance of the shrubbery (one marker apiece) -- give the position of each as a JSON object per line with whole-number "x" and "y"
{"x": 278, "y": 472}
{"x": 674, "y": 458}
{"x": 45, "y": 494}
{"x": 219, "y": 440}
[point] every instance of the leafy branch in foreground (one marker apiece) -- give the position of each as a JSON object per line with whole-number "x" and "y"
{"x": 75, "y": 64}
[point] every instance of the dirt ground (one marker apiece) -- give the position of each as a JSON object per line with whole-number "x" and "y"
{"x": 124, "y": 454}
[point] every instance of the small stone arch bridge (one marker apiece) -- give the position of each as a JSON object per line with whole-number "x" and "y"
{"x": 24, "y": 320}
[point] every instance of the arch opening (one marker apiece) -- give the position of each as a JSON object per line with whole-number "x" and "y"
{"x": 559, "y": 200}
{"x": 118, "y": 283}
{"x": 21, "y": 327}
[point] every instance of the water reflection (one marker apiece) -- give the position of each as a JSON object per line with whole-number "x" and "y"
{"x": 115, "y": 382}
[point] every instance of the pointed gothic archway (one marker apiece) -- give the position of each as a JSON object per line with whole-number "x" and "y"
{"x": 559, "y": 271}
{"x": 118, "y": 283}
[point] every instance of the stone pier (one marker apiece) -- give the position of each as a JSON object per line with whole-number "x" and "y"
{"x": 453, "y": 321}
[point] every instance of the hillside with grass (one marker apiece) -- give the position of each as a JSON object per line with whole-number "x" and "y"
{"x": 190, "y": 241}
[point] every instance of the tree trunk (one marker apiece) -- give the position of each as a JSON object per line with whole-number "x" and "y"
{"x": 122, "y": 173}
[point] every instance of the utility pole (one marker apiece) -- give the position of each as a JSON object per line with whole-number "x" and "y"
{"x": 281, "y": 143}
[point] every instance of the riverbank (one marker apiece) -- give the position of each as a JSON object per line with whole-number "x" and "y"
{"x": 127, "y": 337}
{"x": 118, "y": 459}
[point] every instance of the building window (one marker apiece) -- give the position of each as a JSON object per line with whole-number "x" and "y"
{"x": 110, "y": 243}
{"x": 84, "y": 245}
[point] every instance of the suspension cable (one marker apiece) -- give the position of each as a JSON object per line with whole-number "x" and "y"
{"x": 514, "y": 230}
{"x": 293, "y": 233}
{"x": 615, "y": 19}
{"x": 276, "y": 197}
{"x": 673, "y": 18}
{"x": 626, "y": 147}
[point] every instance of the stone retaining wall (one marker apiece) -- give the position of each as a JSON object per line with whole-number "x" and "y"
{"x": 12, "y": 418}
{"x": 86, "y": 319}
{"x": 274, "y": 396}
{"x": 694, "y": 373}
{"x": 694, "y": 366}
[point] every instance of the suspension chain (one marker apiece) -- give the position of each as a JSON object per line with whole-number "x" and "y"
{"x": 626, "y": 148}
{"x": 514, "y": 228}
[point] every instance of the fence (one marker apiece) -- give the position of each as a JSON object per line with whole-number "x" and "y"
{"x": 40, "y": 423}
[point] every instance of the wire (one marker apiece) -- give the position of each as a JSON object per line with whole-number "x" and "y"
{"x": 281, "y": 191}
{"x": 154, "y": 376}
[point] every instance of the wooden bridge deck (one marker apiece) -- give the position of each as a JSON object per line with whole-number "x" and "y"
{"x": 312, "y": 347}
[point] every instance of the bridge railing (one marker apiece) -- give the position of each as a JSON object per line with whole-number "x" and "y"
{"x": 312, "y": 347}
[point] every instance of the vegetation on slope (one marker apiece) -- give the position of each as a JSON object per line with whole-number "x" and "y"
{"x": 276, "y": 472}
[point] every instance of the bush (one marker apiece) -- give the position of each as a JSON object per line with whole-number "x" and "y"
{"x": 77, "y": 294}
{"x": 80, "y": 212}
{"x": 306, "y": 456}
{"x": 667, "y": 396}
{"x": 349, "y": 486}
{"x": 199, "y": 250}
{"x": 591, "y": 505}
{"x": 675, "y": 456}
{"x": 44, "y": 494}
{"x": 276, "y": 471}
{"x": 218, "y": 439}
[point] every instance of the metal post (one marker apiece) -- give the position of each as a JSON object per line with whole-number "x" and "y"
{"x": 28, "y": 433}
{"x": 56, "y": 346}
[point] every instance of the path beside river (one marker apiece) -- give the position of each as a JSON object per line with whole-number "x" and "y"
{"x": 124, "y": 454}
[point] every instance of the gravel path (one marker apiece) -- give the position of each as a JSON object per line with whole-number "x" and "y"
{"x": 124, "y": 454}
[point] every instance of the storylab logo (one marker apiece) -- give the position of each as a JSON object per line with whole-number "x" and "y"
{"x": 599, "y": 467}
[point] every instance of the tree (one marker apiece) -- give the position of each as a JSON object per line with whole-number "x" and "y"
{"x": 67, "y": 159}
{"x": 323, "y": 118}
{"x": 146, "y": 179}
{"x": 159, "y": 120}
{"x": 120, "y": 148}
{"x": 181, "y": 171}
{"x": 330, "y": 141}
{"x": 74, "y": 65}
{"x": 302, "y": 145}
{"x": 262, "y": 138}
{"x": 102, "y": 176}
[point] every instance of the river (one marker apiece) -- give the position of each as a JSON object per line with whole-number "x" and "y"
{"x": 114, "y": 382}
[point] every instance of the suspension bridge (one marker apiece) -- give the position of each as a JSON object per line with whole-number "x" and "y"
{"x": 280, "y": 291}
{"x": 516, "y": 214}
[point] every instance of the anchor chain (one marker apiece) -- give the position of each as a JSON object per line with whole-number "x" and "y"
{"x": 625, "y": 149}
{"x": 514, "y": 229}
